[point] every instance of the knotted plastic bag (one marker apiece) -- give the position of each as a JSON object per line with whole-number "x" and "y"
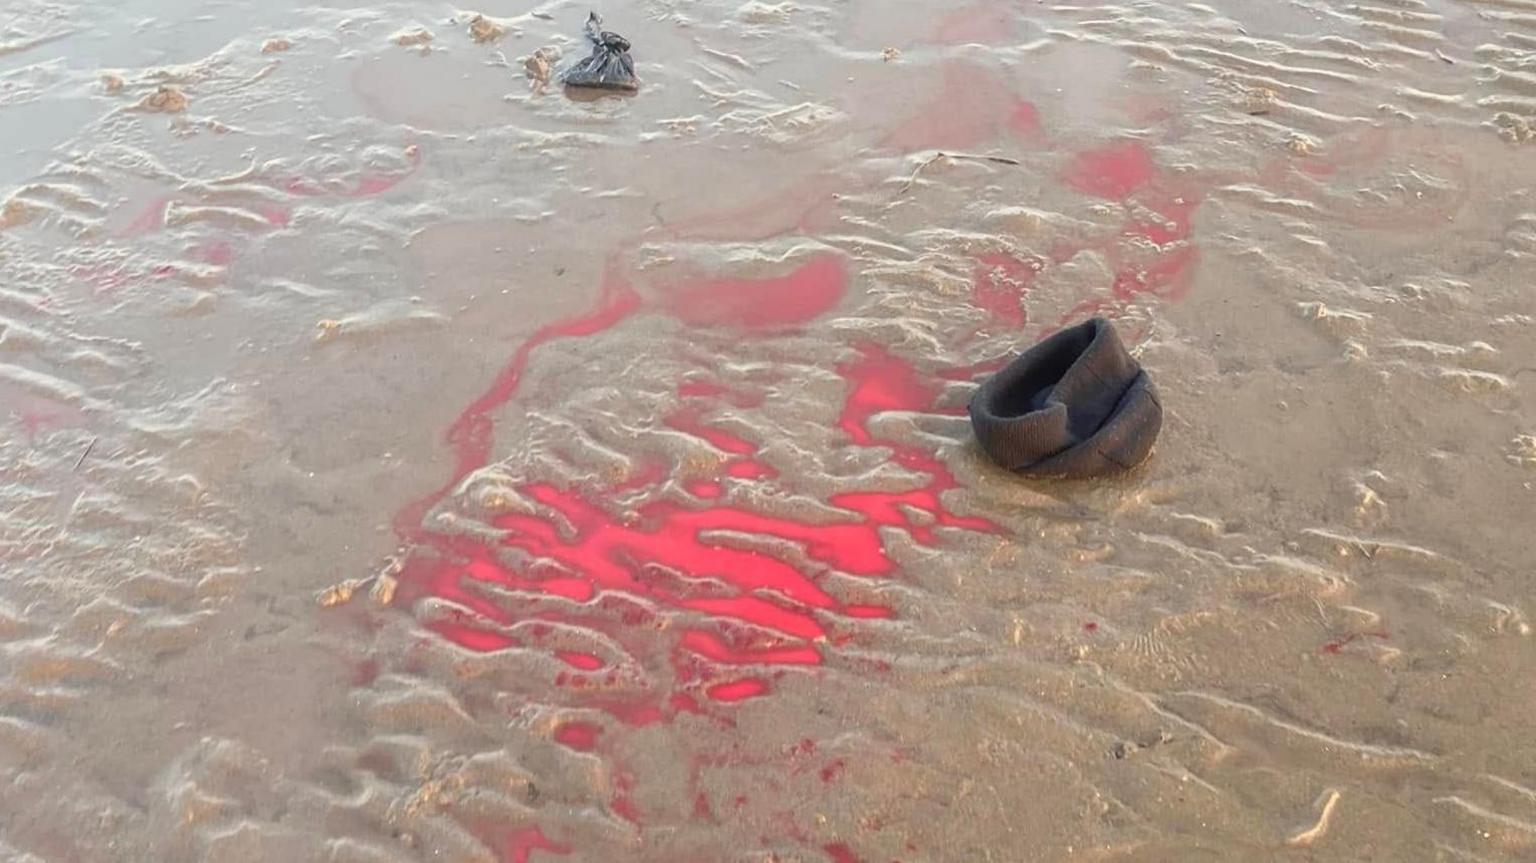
{"x": 608, "y": 67}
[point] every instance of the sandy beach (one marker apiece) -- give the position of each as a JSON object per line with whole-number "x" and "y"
{"x": 403, "y": 460}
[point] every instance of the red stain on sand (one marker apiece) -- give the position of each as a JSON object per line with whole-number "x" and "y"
{"x": 577, "y": 659}
{"x": 728, "y": 618}
{"x": 705, "y": 489}
{"x": 811, "y": 290}
{"x": 738, "y": 690}
{"x": 522, "y": 843}
{"x": 470, "y": 434}
{"x": 1112, "y": 171}
{"x": 840, "y": 853}
{"x": 1336, "y": 646}
{"x": 1025, "y": 119}
{"x": 581, "y": 736}
{"x": 880, "y": 382}
{"x": 766, "y": 611}
{"x": 1000, "y": 285}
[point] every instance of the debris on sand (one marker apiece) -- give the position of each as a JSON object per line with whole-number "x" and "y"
{"x": 757, "y": 12}
{"x": 380, "y": 319}
{"x": 539, "y": 66}
{"x": 1328, "y": 802}
{"x": 1301, "y": 145}
{"x": 608, "y": 67}
{"x": 341, "y": 593}
{"x": 383, "y": 591}
{"x": 483, "y": 29}
{"x": 1258, "y": 100}
{"x": 166, "y": 99}
{"x": 15, "y": 212}
{"x": 890, "y": 54}
{"x": 1522, "y": 450}
{"x": 420, "y": 37}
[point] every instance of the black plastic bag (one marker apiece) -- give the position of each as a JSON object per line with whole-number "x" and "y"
{"x": 1073, "y": 406}
{"x": 608, "y": 67}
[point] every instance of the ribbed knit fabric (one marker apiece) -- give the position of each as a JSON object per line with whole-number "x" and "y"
{"x": 1075, "y": 405}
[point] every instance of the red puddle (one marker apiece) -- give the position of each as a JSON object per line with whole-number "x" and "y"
{"x": 1001, "y": 283}
{"x": 1112, "y": 171}
{"x": 705, "y": 489}
{"x": 576, "y": 659}
{"x": 748, "y": 616}
{"x": 1164, "y": 207}
{"x": 738, "y": 690}
{"x": 665, "y": 551}
{"x": 581, "y": 736}
{"x": 811, "y": 290}
{"x": 882, "y": 381}
{"x": 974, "y": 105}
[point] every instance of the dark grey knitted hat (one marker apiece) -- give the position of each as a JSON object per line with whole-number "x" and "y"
{"x": 1075, "y": 405}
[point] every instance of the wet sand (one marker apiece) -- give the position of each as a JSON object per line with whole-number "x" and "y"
{"x": 404, "y": 461}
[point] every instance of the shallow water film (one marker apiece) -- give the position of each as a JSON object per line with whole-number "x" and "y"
{"x": 404, "y": 459}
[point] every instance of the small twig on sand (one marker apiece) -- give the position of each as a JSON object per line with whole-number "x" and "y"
{"x": 936, "y": 157}
{"x": 1328, "y": 802}
{"x": 88, "y": 447}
